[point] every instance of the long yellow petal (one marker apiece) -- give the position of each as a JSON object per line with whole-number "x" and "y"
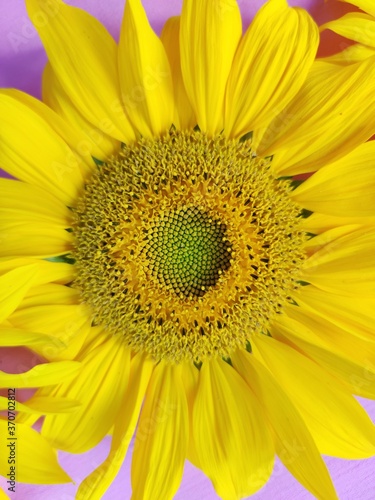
{"x": 50, "y": 294}
{"x": 48, "y": 272}
{"x": 339, "y": 425}
{"x": 92, "y": 141}
{"x": 321, "y": 329}
{"x": 100, "y": 388}
{"x": 73, "y": 137}
{"x": 43, "y": 239}
{"x": 95, "y": 485}
{"x": 18, "y": 199}
{"x": 35, "y": 460}
{"x": 11, "y": 337}
{"x": 345, "y": 188}
{"x": 358, "y": 372}
{"x": 162, "y": 436}
{"x": 365, "y": 5}
{"x": 232, "y": 439}
{"x": 355, "y": 26}
{"x": 41, "y": 158}
{"x": 68, "y": 324}
{"x": 293, "y": 442}
{"x": 42, "y": 405}
{"x": 325, "y": 121}
{"x": 145, "y": 75}
{"x": 89, "y": 75}
{"x": 352, "y": 54}
{"x": 13, "y": 287}
{"x": 343, "y": 264}
{"x": 170, "y": 36}
{"x": 209, "y": 35}
{"x": 270, "y": 66}
{"x": 352, "y": 313}
{"x": 41, "y": 375}
{"x": 190, "y": 379}
{"x": 320, "y": 223}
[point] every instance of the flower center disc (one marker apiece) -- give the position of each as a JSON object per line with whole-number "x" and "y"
{"x": 188, "y": 251}
{"x": 186, "y": 245}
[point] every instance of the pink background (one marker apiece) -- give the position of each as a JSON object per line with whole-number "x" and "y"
{"x": 21, "y": 62}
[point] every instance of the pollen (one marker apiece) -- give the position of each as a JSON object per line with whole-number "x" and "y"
{"x": 186, "y": 245}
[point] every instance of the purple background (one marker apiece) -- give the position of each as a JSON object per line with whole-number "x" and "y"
{"x": 21, "y": 62}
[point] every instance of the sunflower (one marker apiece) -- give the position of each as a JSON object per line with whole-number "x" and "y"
{"x": 358, "y": 27}
{"x": 159, "y": 255}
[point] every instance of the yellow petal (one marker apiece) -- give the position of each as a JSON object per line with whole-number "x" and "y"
{"x": 89, "y": 75}
{"x": 70, "y": 135}
{"x": 69, "y": 324}
{"x": 319, "y": 223}
{"x": 42, "y": 158}
{"x": 92, "y": 141}
{"x": 352, "y": 313}
{"x": 99, "y": 387}
{"x": 50, "y": 294}
{"x": 270, "y": 66}
{"x": 3, "y": 496}
{"x": 355, "y": 26}
{"x": 339, "y": 425}
{"x": 48, "y": 272}
{"x": 343, "y": 264}
{"x": 162, "y": 436}
{"x": 232, "y": 438}
{"x": 352, "y": 54}
{"x": 325, "y": 121}
{"x": 209, "y": 34}
{"x": 21, "y": 201}
{"x": 293, "y": 442}
{"x": 35, "y": 460}
{"x": 11, "y": 337}
{"x": 190, "y": 379}
{"x": 13, "y": 287}
{"x": 95, "y": 485}
{"x": 170, "y": 36}
{"x": 358, "y": 372}
{"x": 365, "y": 5}
{"x": 344, "y": 188}
{"x": 43, "y": 239}
{"x": 322, "y": 330}
{"x": 42, "y": 405}
{"x": 145, "y": 75}
{"x": 41, "y": 375}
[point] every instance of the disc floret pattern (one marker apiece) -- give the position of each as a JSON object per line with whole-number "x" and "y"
{"x": 186, "y": 245}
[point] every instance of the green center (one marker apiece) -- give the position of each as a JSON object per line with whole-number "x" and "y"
{"x": 188, "y": 250}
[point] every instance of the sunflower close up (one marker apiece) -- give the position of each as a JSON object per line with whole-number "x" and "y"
{"x": 187, "y": 244}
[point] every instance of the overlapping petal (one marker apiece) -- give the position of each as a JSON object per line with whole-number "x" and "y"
{"x": 41, "y": 158}
{"x": 209, "y": 34}
{"x": 94, "y": 486}
{"x": 162, "y": 436}
{"x": 90, "y": 141}
{"x": 145, "y": 74}
{"x": 345, "y": 188}
{"x": 270, "y": 66}
{"x": 293, "y": 441}
{"x": 338, "y": 423}
{"x": 100, "y": 388}
{"x": 36, "y": 460}
{"x": 170, "y": 37}
{"x": 325, "y": 121}
{"x": 231, "y": 435}
{"x": 89, "y": 75}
